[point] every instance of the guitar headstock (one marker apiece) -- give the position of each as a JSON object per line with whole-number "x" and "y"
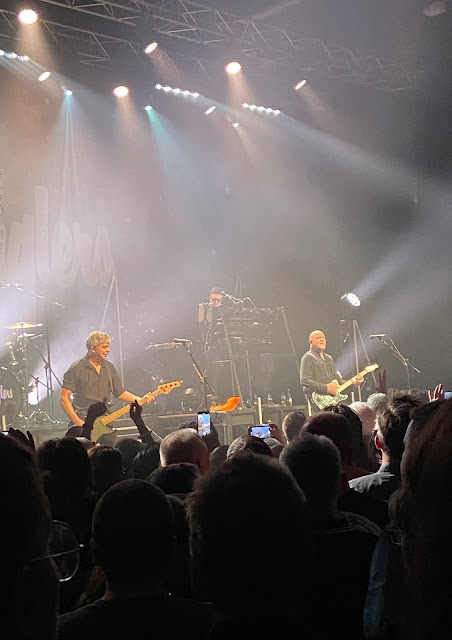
{"x": 168, "y": 386}
{"x": 371, "y": 367}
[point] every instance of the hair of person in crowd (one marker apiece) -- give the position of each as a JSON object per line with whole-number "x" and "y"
{"x": 106, "y": 468}
{"x": 146, "y": 460}
{"x": 184, "y": 445}
{"x": 315, "y": 463}
{"x": 237, "y": 513}
{"x": 249, "y": 444}
{"x": 292, "y": 424}
{"x": 177, "y": 478}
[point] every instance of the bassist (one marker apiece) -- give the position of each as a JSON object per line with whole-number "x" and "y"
{"x": 318, "y": 372}
{"x": 92, "y": 379}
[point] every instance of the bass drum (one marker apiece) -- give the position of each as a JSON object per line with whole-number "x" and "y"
{"x": 11, "y": 396}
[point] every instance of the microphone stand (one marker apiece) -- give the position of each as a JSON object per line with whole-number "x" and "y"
{"x": 395, "y": 351}
{"x": 204, "y": 382}
{"x": 50, "y": 374}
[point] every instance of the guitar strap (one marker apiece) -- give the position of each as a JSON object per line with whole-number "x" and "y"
{"x": 111, "y": 385}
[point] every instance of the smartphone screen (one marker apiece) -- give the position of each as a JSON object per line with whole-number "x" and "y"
{"x": 260, "y": 431}
{"x": 203, "y": 423}
{"x": 5, "y": 433}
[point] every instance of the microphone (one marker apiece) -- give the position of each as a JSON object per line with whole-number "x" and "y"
{"x": 378, "y": 335}
{"x": 181, "y": 341}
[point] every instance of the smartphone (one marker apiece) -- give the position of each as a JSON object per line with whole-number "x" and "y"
{"x": 260, "y": 431}
{"x": 5, "y": 433}
{"x": 204, "y": 423}
{"x": 447, "y": 395}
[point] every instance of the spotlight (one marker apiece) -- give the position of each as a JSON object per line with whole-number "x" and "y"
{"x": 300, "y": 84}
{"x": 176, "y": 91}
{"x": 210, "y": 110}
{"x": 151, "y": 47}
{"x": 23, "y": 58}
{"x": 67, "y": 92}
{"x": 233, "y": 67}
{"x": 195, "y": 95}
{"x": 148, "y": 107}
{"x": 27, "y": 16}
{"x": 158, "y": 87}
{"x": 276, "y": 112}
{"x": 352, "y": 299}
{"x": 2, "y": 53}
{"x": 245, "y": 105}
{"x": 261, "y": 109}
{"x": 12, "y": 55}
{"x": 269, "y": 110}
{"x": 252, "y": 107}
{"x": 235, "y": 125}
{"x": 186, "y": 92}
{"x": 167, "y": 88}
{"x": 44, "y": 76}
{"x": 121, "y": 91}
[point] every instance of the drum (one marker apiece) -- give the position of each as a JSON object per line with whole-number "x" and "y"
{"x": 12, "y": 356}
{"x": 11, "y": 396}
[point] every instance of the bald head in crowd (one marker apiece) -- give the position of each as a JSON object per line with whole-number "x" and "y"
{"x": 184, "y": 445}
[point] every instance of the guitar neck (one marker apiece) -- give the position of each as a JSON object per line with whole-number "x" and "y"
{"x": 123, "y": 410}
{"x": 349, "y": 382}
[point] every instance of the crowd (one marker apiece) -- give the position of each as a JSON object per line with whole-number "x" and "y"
{"x": 338, "y": 524}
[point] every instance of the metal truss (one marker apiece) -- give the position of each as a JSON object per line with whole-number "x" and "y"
{"x": 117, "y": 23}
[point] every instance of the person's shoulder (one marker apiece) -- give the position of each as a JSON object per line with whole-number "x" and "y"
{"x": 78, "y": 363}
{"x": 356, "y": 522}
{"x": 81, "y": 623}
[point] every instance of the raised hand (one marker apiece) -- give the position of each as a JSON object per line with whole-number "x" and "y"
{"x": 276, "y": 432}
{"x": 438, "y": 393}
{"x": 381, "y": 386}
{"x": 26, "y": 440}
{"x": 95, "y": 410}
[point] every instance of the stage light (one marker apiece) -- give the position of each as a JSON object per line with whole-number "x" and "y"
{"x": 27, "y": 16}
{"x": 269, "y": 110}
{"x": 186, "y": 92}
{"x": 148, "y": 107}
{"x": 352, "y": 299}
{"x": 235, "y": 125}
{"x": 261, "y": 109}
{"x": 245, "y": 105}
{"x": 300, "y": 84}
{"x": 210, "y": 110}
{"x": 23, "y": 58}
{"x": 195, "y": 95}
{"x": 44, "y": 76}
{"x": 167, "y": 88}
{"x": 276, "y": 112}
{"x": 12, "y": 55}
{"x": 177, "y": 91}
{"x": 233, "y": 67}
{"x": 67, "y": 92}
{"x": 152, "y": 46}
{"x": 158, "y": 87}
{"x": 2, "y": 53}
{"x": 121, "y": 91}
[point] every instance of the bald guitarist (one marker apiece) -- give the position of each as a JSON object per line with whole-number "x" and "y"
{"x": 92, "y": 379}
{"x": 318, "y": 372}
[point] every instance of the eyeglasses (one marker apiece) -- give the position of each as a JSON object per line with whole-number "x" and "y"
{"x": 63, "y": 549}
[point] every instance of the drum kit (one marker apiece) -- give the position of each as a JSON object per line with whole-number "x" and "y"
{"x": 16, "y": 382}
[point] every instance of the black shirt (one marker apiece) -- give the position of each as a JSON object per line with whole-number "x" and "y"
{"x": 162, "y": 617}
{"x": 316, "y": 372}
{"x": 88, "y": 386}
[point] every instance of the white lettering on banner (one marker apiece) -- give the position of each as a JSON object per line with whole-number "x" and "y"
{"x": 6, "y": 394}
{"x": 55, "y": 255}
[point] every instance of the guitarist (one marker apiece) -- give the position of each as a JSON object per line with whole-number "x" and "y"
{"x": 318, "y": 370}
{"x": 92, "y": 379}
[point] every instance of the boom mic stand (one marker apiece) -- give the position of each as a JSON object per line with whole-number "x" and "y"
{"x": 389, "y": 342}
{"x": 204, "y": 382}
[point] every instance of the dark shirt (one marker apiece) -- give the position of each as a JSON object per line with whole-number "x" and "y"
{"x": 364, "y": 505}
{"x": 343, "y": 553}
{"x": 316, "y": 372}
{"x": 381, "y": 484}
{"x": 88, "y": 386}
{"x": 164, "y": 617}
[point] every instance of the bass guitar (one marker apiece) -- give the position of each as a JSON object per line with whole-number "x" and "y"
{"x": 323, "y": 400}
{"x": 101, "y": 425}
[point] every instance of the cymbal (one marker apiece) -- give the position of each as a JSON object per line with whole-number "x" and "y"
{"x": 23, "y": 325}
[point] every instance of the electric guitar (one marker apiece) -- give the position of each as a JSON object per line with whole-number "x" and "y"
{"x": 323, "y": 401}
{"x": 100, "y": 425}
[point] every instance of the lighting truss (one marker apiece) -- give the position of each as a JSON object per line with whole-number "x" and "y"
{"x": 115, "y": 22}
